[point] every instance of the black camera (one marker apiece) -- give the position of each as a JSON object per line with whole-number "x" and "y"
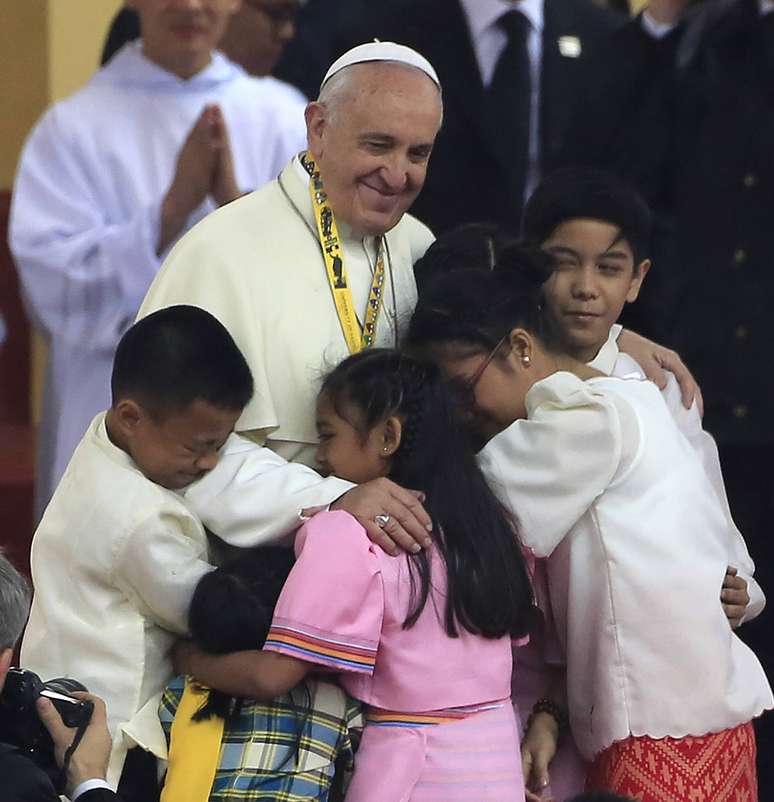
{"x": 20, "y": 725}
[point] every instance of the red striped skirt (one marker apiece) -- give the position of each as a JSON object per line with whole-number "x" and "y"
{"x": 719, "y": 767}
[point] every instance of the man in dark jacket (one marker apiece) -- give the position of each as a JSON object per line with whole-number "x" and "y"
{"x": 22, "y": 780}
{"x": 681, "y": 102}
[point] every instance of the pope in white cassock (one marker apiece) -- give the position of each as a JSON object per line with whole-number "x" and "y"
{"x": 109, "y": 178}
{"x": 314, "y": 265}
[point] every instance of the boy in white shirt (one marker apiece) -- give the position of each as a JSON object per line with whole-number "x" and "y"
{"x": 598, "y": 230}
{"x": 118, "y": 553}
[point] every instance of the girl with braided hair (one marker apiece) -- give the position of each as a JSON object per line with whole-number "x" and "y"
{"x": 423, "y": 640}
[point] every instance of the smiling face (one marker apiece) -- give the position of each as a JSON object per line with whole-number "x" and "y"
{"x": 491, "y": 388}
{"x": 348, "y": 453}
{"x": 372, "y": 142}
{"x": 595, "y": 276}
{"x": 176, "y": 450}
{"x": 180, "y": 35}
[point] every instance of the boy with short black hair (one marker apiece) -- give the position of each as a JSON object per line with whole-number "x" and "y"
{"x": 118, "y": 553}
{"x": 598, "y": 229}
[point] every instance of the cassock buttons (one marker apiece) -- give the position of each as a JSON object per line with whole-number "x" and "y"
{"x": 740, "y": 333}
{"x": 740, "y": 411}
{"x": 740, "y": 256}
{"x": 750, "y": 180}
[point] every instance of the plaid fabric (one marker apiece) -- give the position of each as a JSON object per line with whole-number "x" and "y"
{"x": 262, "y": 756}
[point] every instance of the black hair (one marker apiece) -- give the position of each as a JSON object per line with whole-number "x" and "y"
{"x": 474, "y": 246}
{"x": 232, "y": 608}
{"x": 471, "y": 310}
{"x": 176, "y": 356}
{"x": 587, "y": 192}
{"x": 488, "y": 588}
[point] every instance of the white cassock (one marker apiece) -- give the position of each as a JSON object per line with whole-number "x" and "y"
{"x": 256, "y": 265}
{"x": 637, "y": 541}
{"x": 86, "y": 211}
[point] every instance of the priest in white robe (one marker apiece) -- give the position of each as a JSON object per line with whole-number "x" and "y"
{"x": 273, "y": 265}
{"x": 110, "y": 177}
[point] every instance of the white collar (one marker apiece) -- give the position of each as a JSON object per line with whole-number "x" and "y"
{"x": 131, "y": 66}
{"x": 482, "y": 14}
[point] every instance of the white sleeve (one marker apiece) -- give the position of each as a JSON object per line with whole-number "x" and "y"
{"x": 690, "y": 424}
{"x": 158, "y": 567}
{"x": 254, "y": 497}
{"x": 550, "y": 467}
{"x": 82, "y": 275}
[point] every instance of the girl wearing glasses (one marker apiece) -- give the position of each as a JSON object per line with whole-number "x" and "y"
{"x": 608, "y": 489}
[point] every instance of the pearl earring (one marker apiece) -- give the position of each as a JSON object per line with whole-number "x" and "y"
{"x": 525, "y": 360}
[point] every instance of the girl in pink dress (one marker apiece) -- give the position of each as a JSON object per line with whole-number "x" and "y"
{"x": 423, "y": 640}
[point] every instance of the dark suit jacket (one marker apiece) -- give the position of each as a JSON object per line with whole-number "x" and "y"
{"x": 469, "y": 176}
{"x": 22, "y": 781}
{"x": 697, "y": 139}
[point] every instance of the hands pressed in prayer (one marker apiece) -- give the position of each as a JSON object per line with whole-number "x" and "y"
{"x": 408, "y": 526}
{"x": 205, "y": 166}
{"x": 224, "y": 186}
{"x": 654, "y": 359}
{"x": 734, "y": 597}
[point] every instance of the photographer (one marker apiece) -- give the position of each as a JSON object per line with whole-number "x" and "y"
{"x": 22, "y": 780}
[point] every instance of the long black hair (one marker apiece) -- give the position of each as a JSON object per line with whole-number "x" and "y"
{"x": 488, "y": 588}
{"x": 231, "y": 610}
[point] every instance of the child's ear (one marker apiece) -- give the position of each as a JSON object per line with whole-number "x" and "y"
{"x": 639, "y": 276}
{"x": 128, "y": 414}
{"x": 391, "y": 435}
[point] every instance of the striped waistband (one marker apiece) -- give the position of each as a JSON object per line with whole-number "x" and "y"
{"x": 397, "y": 718}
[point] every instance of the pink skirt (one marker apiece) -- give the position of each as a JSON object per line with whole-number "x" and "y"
{"x": 471, "y": 759}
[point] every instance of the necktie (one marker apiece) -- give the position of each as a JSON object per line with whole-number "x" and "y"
{"x": 508, "y": 98}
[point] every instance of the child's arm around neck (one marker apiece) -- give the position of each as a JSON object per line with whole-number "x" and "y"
{"x": 250, "y": 674}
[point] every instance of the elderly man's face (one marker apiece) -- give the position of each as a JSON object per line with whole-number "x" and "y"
{"x": 374, "y": 149}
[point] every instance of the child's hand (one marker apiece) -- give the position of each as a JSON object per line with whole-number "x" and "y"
{"x": 734, "y": 597}
{"x": 537, "y": 751}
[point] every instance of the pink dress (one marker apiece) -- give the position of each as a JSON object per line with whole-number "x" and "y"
{"x": 440, "y": 725}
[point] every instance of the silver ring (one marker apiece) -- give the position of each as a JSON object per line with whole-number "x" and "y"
{"x": 382, "y": 520}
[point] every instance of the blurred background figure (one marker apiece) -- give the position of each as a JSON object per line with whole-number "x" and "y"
{"x": 255, "y": 37}
{"x": 680, "y": 102}
{"x": 109, "y": 178}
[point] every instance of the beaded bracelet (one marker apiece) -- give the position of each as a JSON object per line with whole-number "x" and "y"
{"x": 557, "y": 713}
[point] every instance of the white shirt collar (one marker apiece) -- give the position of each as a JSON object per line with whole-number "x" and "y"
{"x": 482, "y": 14}
{"x": 130, "y": 66}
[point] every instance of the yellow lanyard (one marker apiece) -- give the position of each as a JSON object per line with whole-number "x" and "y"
{"x": 357, "y": 338}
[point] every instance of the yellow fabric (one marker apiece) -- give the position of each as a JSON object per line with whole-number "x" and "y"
{"x": 357, "y": 338}
{"x": 194, "y": 750}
